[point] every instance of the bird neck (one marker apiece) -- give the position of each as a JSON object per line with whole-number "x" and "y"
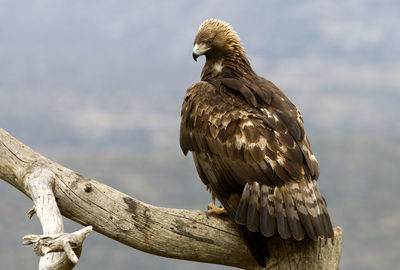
{"x": 232, "y": 64}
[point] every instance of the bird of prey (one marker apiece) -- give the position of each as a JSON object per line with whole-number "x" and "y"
{"x": 249, "y": 146}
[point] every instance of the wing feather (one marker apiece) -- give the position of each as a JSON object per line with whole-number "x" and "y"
{"x": 234, "y": 130}
{"x": 255, "y": 147}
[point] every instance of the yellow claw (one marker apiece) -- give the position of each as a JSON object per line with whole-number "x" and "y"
{"x": 213, "y": 209}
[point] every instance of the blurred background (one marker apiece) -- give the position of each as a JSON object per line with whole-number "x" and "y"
{"x": 97, "y": 86}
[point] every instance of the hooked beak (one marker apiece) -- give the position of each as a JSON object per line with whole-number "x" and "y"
{"x": 195, "y": 56}
{"x": 199, "y": 49}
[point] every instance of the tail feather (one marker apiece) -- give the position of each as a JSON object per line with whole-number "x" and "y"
{"x": 248, "y": 217}
{"x": 267, "y": 211}
{"x": 280, "y": 214}
{"x": 292, "y": 215}
{"x": 302, "y": 211}
{"x": 310, "y": 201}
{"x": 253, "y": 211}
{"x": 326, "y": 221}
{"x": 241, "y": 211}
{"x": 294, "y": 210}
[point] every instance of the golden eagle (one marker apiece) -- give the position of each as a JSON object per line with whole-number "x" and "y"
{"x": 249, "y": 146}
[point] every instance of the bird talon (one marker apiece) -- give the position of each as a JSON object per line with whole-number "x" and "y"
{"x": 215, "y": 210}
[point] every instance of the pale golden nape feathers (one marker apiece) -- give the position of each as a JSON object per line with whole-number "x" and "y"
{"x": 215, "y": 27}
{"x": 220, "y": 44}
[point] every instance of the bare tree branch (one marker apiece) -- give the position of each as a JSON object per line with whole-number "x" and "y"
{"x": 175, "y": 233}
{"x": 62, "y": 242}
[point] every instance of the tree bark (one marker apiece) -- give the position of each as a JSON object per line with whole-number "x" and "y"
{"x": 175, "y": 233}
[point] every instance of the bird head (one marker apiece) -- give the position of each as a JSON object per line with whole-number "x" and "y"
{"x": 214, "y": 38}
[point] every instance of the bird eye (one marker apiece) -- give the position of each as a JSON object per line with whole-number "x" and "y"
{"x": 208, "y": 41}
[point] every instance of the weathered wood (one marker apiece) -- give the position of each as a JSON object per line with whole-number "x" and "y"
{"x": 54, "y": 246}
{"x": 40, "y": 185}
{"x": 70, "y": 243}
{"x": 175, "y": 233}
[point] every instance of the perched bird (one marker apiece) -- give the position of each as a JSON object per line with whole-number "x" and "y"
{"x": 249, "y": 146}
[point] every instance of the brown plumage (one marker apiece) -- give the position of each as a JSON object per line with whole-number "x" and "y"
{"x": 249, "y": 146}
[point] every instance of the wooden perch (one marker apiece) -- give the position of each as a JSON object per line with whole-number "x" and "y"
{"x": 175, "y": 233}
{"x": 54, "y": 246}
{"x": 67, "y": 242}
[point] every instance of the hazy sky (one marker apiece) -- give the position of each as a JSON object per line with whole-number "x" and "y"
{"x": 113, "y": 73}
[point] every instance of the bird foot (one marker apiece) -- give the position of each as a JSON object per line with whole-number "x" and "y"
{"x": 215, "y": 210}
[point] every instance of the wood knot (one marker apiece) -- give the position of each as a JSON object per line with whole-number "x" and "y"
{"x": 88, "y": 187}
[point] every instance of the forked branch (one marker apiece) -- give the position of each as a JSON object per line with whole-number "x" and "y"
{"x": 175, "y": 233}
